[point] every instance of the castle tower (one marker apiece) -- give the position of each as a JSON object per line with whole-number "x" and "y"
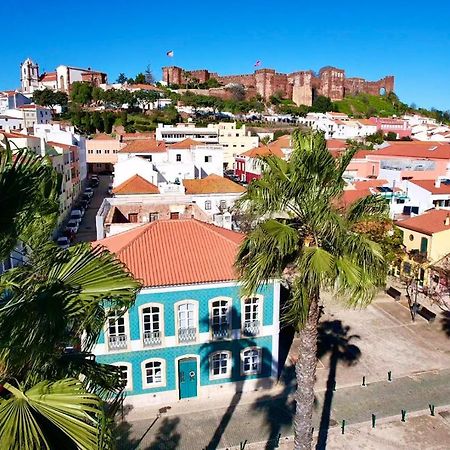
{"x": 29, "y": 75}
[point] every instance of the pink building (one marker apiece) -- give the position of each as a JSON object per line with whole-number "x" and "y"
{"x": 387, "y": 125}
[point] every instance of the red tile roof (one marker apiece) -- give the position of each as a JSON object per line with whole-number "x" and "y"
{"x": 430, "y": 187}
{"x": 32, "y": 107}
{"x": 144, "y": 146}
{"x": 416, "y": 149}
{"x": 185, "y": 144}
{"x": 145, "y": 87}
{"x": 263, "y": 150}
{"x": 432, "y": 221}
{"x": 336, "y": 144}
{"x": 65, "y": 146}
{"x": 50, "y": 76}
{"x": 18, "y": 135}
{"x": 367, "y": 184}
{"x": 174, "y": 252}
{"x": 103, "y": 136}
{"x": 212, "y": 184}
{"x": 352, "y": 195}
{"x": 136, "y": 185}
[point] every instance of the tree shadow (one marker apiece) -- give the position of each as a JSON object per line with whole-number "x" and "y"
{"x": 445, "y": 321}
{"x": 235, "y": 346}
{"x": 333, "y": 339}
{"x": 279, "y": 410}
{"x": 167, "y": 438}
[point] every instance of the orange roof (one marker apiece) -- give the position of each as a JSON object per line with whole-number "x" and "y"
{"x": 366, "y": 122}
{"x": 32, "y": 107}
{"x": 65, "y": 146}
{"x": 140, "y": 135}
{"x": 18, "y": 135}
{"x": 430, "y": 187}
{"x": 212, "y": 184}
{"x": 102, "y": 136}
{"x": 336, "y": 144}
{"x": 263, "y": 150}
{"x": 50, "y": 76}
{"x": 367, "y": 184}
{"x": 174, "y": 252}
{"x": 185, "y": 144}
{"x": 144, "y": 146}
{"x": 145, "y": 87}
{"x": 431, "y": 221}
{"x": 136, "y": 185}
{"x": 352, "y": 195}
{"x": 416, "y": 149}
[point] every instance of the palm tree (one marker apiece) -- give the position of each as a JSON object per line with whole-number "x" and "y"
{"x": 52, "y": 310}
{"x": 301, "y": 235}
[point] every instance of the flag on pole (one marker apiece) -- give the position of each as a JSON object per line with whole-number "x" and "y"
{"x": 170, "y": 53}
{"x": 257, "y": 63}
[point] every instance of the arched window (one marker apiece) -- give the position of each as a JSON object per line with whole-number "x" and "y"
{"x": 125, "y": 374}
{"x": 151, "y": 325}
{"x": 153, "y": 373}
{"x": 220, "y": 364}
{"x": 251, "y": 361}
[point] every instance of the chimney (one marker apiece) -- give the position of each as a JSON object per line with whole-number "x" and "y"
{"x": 447, "y": 220}
{"x": 437, "y": 183}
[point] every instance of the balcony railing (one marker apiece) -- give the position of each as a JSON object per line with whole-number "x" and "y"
{"x": 117, "y": 341}
{"x": 221, "y": 331}
{"x": 250, "y": 328}
{"x": 152, "y": 338}
{"x": 187, "y": 334}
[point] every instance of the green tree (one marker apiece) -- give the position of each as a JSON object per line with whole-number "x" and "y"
{"x": 391, "y": 136}
{"x": 97, "y": 122}
{"x": 140, "y": 78}
{"x": 148, "y": 74}
{"x": 64, "y": 294}
{"x": 302, "y": 237}
{"x": 81, "y": 92}
{"x": 376, "y": 138}
{"x": 322, "y": 104}
{"x": 47, "y": 97}
{"x": 121, "y": 78}
{"x": 108, "y": 121}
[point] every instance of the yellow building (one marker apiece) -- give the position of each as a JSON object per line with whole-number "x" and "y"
{"x": 427, "y": 240}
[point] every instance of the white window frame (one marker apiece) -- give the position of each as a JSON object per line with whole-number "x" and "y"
{"x": 161, "y": 322}
{"x": 177, "y": 320}
{"x": 129, "y": 385}
{"x": 126, "y": 320}
{"x": 260, "y": 310}
{"x": 146, "y": 385}
{"x": 251, "y": 372}
{"x": 229, "y": 367}
{"x": 229, "y": 300}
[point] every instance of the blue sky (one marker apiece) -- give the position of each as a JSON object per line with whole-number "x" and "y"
{"x": 408, "y": 39}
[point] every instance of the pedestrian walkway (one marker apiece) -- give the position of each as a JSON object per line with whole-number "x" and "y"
{"x": 267, "y": 416}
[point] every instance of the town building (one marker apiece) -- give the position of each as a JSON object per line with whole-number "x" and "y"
{"x": 12, "y": 100}
{"x": 191, "y": 333}
{"x": 101, "y": 152}
{"x": 426, "y": 238}
{"x": 399, "y": 127}
{"x": 61, "y": 79}
{"x": 428, "y": 194}
{"x": 10, "y": 123}
{"x": 30, "y": 115}
{"x": 181, "y": 131}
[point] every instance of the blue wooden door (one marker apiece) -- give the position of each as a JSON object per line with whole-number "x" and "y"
{"x": 187, "y": 377}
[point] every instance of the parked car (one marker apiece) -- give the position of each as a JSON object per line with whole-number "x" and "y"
{"x": 86, "y": 198}
{"x": 77, "y": 215}
{"x": 63, "y": 242}
{"x": 95, "y": 177}
{"x": 72, "y": 226}
{"x": 110, "y": 189}
{"x": 93, "y": 183}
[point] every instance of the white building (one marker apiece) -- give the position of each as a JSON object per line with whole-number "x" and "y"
{"x": 12, "y": 100}
{"x": 181, "y": 131}
{"x": 168, "y": 163}
{"x": 427, "y": 194}
{"x": 10, "y": 123}
{"x": 31, "y": 115}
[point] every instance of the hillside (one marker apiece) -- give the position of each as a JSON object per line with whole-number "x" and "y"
{"x": 365, "y": 105}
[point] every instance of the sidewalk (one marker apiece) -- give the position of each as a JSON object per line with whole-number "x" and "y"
{"x": 267, "y": 416}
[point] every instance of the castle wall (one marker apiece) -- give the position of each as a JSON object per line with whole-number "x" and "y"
{"x": 302, "y": 86}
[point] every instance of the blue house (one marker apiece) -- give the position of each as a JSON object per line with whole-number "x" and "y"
{"x": 190, "y": 332}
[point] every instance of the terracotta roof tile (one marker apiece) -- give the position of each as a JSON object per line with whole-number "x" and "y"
{"x": 185, "y": 144}
{"x": 416, "y": 149}
{"x": 336, "y": 144}
{"x": 212, "y": 184}
{"x": 432, "y": 221}
{"x": 50, "y": 76}
{"x": 263, "y": 150}
{"x": 174, "y": 252}
{"x": 144, "y": 146}
{"x": 136, "y": 185}
{"x": 428, "y": 185}
{"x": 367, "y": 184}
{"x": 65, "y": 146}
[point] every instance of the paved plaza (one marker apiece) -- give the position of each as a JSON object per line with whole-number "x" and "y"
{"x": 379, "y": 339}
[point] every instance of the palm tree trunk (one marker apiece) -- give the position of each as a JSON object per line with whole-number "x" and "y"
{"x": 305, "y": 371}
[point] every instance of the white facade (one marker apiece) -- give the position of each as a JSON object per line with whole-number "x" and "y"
{"x": 182, "y": 131}
{"x": 9, "y": 123}
{"x": 124, "y": 169}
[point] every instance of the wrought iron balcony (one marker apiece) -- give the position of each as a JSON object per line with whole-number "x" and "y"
{"x": 221, "y": 331}
{"x": 251, "y": 328}
{"x": 117, "y": 341}
{"x": 152, "y": 338}
{"x": 187, "y": 334}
